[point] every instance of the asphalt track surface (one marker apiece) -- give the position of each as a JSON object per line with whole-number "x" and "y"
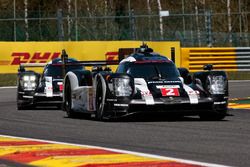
{"x": 224, "y": 142}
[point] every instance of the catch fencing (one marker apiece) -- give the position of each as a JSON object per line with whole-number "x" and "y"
{"x": 192, "y": 30}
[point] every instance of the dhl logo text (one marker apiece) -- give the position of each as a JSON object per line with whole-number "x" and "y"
{"x": 111, "y": 56}
{"x": 37, "y": 57}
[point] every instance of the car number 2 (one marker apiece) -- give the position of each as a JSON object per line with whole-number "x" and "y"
{"x": 170, "y": 92}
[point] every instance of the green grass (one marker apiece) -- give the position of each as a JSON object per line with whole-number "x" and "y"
{"x": 10, "y": 79}
{"x": 239, "y": 75}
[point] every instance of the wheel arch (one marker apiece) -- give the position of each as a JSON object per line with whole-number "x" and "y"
{"x": 72, "y": 79}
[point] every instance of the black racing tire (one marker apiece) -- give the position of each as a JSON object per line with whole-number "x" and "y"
{"x": 20, "y": 105}
{"x": 25, "y": 107}
{"x": 59, "y": 106}
{"x": 100, "y": 107}
{"x": 68, "y": 101}
{"x": 214, "y": 115}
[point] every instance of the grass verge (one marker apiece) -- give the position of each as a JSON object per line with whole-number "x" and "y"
{"x": 8, "y": 79}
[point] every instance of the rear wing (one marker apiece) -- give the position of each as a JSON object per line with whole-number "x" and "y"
{"x": 23, "y": 65}
{"x": 33, "y": 64}
{"x": 64, "y": 58}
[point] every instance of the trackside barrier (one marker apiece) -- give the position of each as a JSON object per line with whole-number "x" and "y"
{"x": 14, "y": 53}
{"x": 229, "y": 59}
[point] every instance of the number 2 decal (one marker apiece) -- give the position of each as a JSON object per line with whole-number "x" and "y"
{"x": 170, "y": 92}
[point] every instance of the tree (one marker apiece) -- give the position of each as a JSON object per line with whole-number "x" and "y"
{"x": 160, "y": 20}
{"x": 26, "y": 20}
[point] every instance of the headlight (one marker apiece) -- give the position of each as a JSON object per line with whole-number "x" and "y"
{"x": 29, "y": 78}
{"x": 26, "y": 78}
{"x": 217, "y": 85}
{"x": 25, "y": 84}
{"x": 122, "y": 86}
{"x": 32, "y": 78}
{"x": 29, "y": 82}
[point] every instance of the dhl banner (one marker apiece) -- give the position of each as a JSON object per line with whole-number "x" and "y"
{"x": 14, "y": 53}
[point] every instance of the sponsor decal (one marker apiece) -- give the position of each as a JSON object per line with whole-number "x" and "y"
{"x": 163, "y": 82}
{"x": 111, "y": 99}
{"x": 192, "y": 94}
{"x": 48, "y": 87}
{"x": 111, "y": 56}
{"x": 221, "y": 102}
{"x": 4, "y": 62}
{"x": 120, "y": 105}
{"x": 37, "y": 57}
{"x": 141, "y": 84}
{"x": 169, "y": 90}
{"x": 168, "y": 86}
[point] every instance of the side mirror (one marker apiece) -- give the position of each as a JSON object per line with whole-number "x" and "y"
{"x": 198, "y": 81}
{"x": 185, "y": 75}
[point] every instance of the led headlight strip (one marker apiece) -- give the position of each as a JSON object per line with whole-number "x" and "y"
{"x": 122, "y": 86}
{"x": 29, "y": 82}
{"x": 217, "y": 85}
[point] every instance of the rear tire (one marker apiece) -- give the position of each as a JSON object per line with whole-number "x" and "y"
{"x": 68, "y": 101}
{"x": 25, "y": 107}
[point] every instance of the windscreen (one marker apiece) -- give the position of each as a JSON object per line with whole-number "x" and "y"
{"x": 153, "y": 71}
{"x": 56, "y": 71}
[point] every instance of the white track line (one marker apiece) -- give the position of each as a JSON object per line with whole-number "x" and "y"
{"x": 8, "y": 87}
{"x": 127, "y": 152}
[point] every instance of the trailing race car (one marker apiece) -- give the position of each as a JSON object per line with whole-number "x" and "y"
{"x": 46, "y": 89}
{"x": 145, "y": 82}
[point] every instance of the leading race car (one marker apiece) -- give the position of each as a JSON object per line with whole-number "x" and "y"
{"x": 34, "y": 89}
{"x": 146, "y": 82}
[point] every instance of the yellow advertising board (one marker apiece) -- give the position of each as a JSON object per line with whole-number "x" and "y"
{"x": 14, "y": 53}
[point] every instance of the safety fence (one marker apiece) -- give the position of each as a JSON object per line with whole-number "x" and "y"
{"x": 229, "y": 59}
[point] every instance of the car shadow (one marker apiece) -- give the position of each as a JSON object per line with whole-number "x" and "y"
{"x": 29, "y": 108}
{"x": 148, "y": 117}
{"x": 163, "y": 118}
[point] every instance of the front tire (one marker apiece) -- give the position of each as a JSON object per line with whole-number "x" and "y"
{"x": 214, "y": 115}
{"x": 100, "y": 106}
{"x": 20, "y": 107}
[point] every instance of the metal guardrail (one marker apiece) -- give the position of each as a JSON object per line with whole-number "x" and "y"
{"x": 229, "y": 59}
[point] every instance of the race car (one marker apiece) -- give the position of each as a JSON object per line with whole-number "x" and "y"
{"x": 34, "y": 89}
{"x": 145, "y": 81}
